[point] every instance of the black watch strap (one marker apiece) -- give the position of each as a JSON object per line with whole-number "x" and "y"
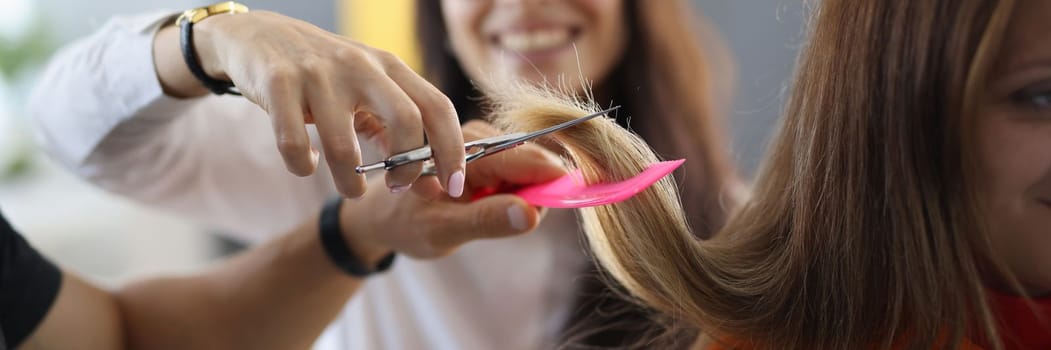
{"x": 336, "y": 246}
{"x": 189, "y": 54}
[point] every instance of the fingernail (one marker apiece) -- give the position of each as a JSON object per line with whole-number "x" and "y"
{"x": 400, "y": 189}
{"x": 315, "y": 156}
{"x": 456, "y": 184}
{"x": 517, "y": 217}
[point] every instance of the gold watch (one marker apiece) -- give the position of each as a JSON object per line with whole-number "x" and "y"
{"x": 200, "y": 13}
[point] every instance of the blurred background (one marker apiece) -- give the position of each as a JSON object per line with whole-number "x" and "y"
{"x": 110, "y": 239}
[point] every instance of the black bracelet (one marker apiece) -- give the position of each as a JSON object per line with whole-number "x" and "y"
{"x": 336, "y": 245}
{"x": 189, "y": 54}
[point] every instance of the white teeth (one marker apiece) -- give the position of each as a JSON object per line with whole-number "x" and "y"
{"x": 535, "y": 40}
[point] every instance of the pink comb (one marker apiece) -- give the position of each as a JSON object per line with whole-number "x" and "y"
{"x": 570, "y": 191}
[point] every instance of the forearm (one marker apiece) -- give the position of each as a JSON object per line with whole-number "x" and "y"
{"x": 82, "y": 317}
{"x": 280, "y": 295}
{"x": 101, "y": 83}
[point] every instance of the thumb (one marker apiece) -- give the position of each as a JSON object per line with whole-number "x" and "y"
{"x": 493, "y": 217}
{"x": 525, "y": 165}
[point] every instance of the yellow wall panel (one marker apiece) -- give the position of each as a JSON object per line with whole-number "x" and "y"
{"x": 385, "y": 24}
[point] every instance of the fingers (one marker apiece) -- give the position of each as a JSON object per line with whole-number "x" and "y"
{"x": 335, "y": 127}
{"x": 439, "y": 119}
{"x": 523, "y": 165}
{"x": 303, "y": 74}
{"x": 403, "y": 126}
{"x": 490, "y": 217}
{"x": 286, "y": 108}
{"x": 426, "y": 227}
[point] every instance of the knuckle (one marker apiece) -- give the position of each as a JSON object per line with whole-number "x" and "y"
{"x": 341, "y": 150}
{"x": 349, "y": 54}
{"x": 407, "y": 117}
{"x": 315, "y": 66}
{"x": 290, "y": 145}
{"x": 443, "y": 103}
{"x": 407, "y": 111}
{"x": 438, "y": 105}
{"x": 278, "y": 77}
{"x": 386, "y": 58}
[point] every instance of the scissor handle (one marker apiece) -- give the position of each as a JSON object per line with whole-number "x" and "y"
{"x": 484, "y": 147}
{"x": 413, "y": 155}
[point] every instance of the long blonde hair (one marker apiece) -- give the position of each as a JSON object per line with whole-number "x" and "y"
{"x": 863, "y": 229}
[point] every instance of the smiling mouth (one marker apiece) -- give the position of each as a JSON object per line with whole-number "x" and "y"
{"x": 537, "y": 40}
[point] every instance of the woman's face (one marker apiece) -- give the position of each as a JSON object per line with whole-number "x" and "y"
{"x": 536, "y": 40}
{"x": 1015, "y": 141}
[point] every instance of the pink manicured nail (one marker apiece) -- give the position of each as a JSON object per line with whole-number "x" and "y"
{"x": 400, "y": 189}
{"x": 456, "y": 181}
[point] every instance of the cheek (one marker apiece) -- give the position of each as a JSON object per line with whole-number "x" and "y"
{"x": 462, "y": 22}
{"x": 1016, "y": 173}
{"x": 608, "y": 37}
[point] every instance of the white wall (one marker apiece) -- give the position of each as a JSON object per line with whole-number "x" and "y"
{"x": 764, "y": 37}
{"x": 78, "y": 17}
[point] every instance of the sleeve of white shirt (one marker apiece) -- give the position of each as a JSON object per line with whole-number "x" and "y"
{"x": 99, "y": 110}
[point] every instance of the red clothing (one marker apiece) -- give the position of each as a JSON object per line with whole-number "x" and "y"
{"x": 1020, "y": 328}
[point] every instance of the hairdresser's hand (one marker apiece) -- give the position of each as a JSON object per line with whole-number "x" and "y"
{"x": 301, "y": 74}
{"x": 426, "y": 223}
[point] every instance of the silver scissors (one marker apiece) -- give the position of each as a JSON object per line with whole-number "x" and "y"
{"x": 475, "y": 149}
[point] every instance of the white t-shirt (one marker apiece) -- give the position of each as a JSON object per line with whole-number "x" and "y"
{"x": 99, "y": 110}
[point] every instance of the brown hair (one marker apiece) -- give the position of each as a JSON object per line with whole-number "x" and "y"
{"x": 664, "y": 83}
{"x": 864, "y": 229}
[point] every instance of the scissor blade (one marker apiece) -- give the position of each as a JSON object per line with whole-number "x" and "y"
{"x": 489, "y": 146}
{"x": 558, "y": 127}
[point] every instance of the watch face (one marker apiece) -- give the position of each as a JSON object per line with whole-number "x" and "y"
{"x": 200, "y": 13}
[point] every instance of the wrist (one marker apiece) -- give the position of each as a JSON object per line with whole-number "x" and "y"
{"x": 207, "y": 35}
{"x": 191, "y": 45}
{"x": 358, "y": 233}
{"x": 357, "y": 259}
{"x": 173, "y": 75}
